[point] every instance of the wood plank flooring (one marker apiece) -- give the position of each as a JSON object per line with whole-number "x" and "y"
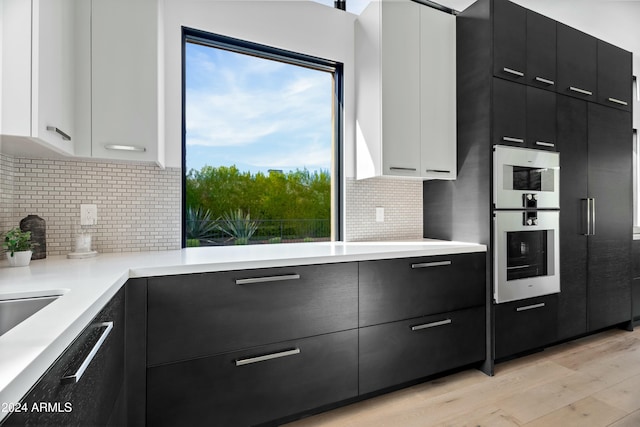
{"x": 590, "y": 382}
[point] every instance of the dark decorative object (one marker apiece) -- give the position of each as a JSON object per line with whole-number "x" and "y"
{"x": 38, "y": 229}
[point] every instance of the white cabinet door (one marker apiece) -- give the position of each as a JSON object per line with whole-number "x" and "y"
{"x": 400, "y": 74}
{"x": 38, "y": 72}
{"x": 124, "y": 79}
{"x": 438, "y": 94}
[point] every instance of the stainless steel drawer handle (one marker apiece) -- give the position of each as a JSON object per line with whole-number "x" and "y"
{"x": 545, "y": 81}
{"x": 430, "y": 264}
{"x": 431, "y": 325}
{"x": 120, "y": 147}
{"x": 582, "y": 91}
{"x": 514, "y": 72}
{"x": 510, "y": 139}
{"x": 250, "y": 360}
{"x": 530, "y": 307}
{"x": 75, "y": 377}
{"x": 438, "y": 171}
{"x": 545, "y": 144}
{"x": 396, "y": 168}
{"x": 267, "y": 279}
{"x": 617, "y": 101}
{"x": 64, "y": 135}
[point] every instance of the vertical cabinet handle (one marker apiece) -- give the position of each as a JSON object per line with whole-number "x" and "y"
{"x": 75, "y": 377}
{"x": 586, "y": 209}
{"x": 593, "y": 216}
{"x": 430, "y": 264}
{"x": 267, "y": 279}
{"x": 530, "y": 307}
{"x": 64, "y": 135}
{"x": 279, "y": 354}
{"x": 590, "y": 214}
{"x": 513, "y": 72}
{"x": 431, "y": 325}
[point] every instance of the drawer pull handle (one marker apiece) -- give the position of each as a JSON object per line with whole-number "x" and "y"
{"x": 431, "y": 325}
{"x": 514, "y": 72}
{"x": 121, "y": 147}
{"x": 530, "y": 307}
{"x": 438, "y": 171}
{"x": 250, "y": 360}
{"x": 545, "y": 144}
{"x": 510, "y": 139}
{"x": 582, "y": 91}
{"x": 545, "y": 81}
{"x": 75, "y": 377}
{"x": 430, "y": 264}
{"x": 617, "y": 101}
{"x": 267, "y": 279}
{"x": 397, "y": 168}
{"x": 65, "y": 136}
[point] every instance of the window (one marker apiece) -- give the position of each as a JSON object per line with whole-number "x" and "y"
{"x": 261, "y": 145}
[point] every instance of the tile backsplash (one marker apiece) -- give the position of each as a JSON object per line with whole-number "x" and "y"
{"x": 138, "y": 204}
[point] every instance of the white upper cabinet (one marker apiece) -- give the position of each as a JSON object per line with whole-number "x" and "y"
{"x": 38, "y": 75}
{"x": 125, "y": 80}
{"x": 405, "y": 91}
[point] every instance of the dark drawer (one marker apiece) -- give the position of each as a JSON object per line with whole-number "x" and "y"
{"x": 525, "y": 325}
{"x": 91, "y": 400}
{"x": 400, "y": 289}
{"x": 395, "y": 353}
{"x": 205, "y": 314}
{"x": 214, "y": 391}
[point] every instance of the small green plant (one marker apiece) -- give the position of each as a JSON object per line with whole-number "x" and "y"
{"x": 199, "y": 224}
{"x": 193, "y": 243}
{"x": 17, "y": 240}
{"x": 308, "y": 239}
{"x": 239, "y": 226}
{"x": 274, "y": 240}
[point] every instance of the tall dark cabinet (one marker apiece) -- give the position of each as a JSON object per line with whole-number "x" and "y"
{"x": 526, "y": 80}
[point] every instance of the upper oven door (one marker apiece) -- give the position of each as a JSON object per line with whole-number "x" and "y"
{"x": 525, "y": 178}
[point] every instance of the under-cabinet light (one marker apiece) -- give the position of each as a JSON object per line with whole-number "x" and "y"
{"x": 124, "y": 147}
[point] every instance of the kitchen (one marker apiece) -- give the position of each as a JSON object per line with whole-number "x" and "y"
{"x": 108, "y": 183}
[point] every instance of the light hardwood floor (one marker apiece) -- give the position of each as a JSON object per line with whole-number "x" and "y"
{"x": 593, "y": 381}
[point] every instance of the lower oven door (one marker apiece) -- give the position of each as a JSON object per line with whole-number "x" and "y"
{"x": 526, "y": 254}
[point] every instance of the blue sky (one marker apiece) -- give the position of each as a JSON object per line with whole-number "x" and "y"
{"x": 255, "y": 113}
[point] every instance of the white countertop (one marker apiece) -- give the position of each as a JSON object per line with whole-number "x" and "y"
{"x": 86, "y": 285}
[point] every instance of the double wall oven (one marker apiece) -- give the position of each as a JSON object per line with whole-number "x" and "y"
{"x": 526, "y": 215}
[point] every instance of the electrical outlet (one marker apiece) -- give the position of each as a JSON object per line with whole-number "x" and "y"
{"x": 88, "y": 214}
{"x": 379, "y": 214}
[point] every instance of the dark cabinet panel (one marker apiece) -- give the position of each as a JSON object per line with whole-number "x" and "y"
{"x": 609, "y": 269}
{"x": 635, "y": 260}
{"x": 525, "y": 325}
{"x": 572, "y": 140}
{"x": 204, "y": 314}
{"x": 509, "y": 113}
{"x": 541, "y": 119}
{"x": 614, "y": 76}
{"x": 541, "y": 51}
{"x": 394, "y": 353}
{"x": 635, "y": 292}
{"x": 577, "y": 63}
{"x": 400, "y": 289}
{"x": 509, "y": 40}
{"x": 229, "y": 390}
{"x": 92, "y": 399}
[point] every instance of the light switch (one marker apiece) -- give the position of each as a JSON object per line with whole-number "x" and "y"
{"x": 379, "y": 214}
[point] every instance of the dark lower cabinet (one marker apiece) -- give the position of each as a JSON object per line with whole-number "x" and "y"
{"x": 635, "y": 283}
{"x": 256, "y": 385}
{"x": 398, "y": 352}
{"x": 95, "y": 396}
{"x": 525, "y": 325}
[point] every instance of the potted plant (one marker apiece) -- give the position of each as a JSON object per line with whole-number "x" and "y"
{"x": 19, "y": 247}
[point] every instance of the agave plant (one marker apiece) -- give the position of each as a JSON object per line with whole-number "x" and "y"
{"x": 239, "y": 226}
{"x": 199, "y": 224}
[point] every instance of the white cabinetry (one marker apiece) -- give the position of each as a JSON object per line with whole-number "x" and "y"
{"x": 38, "y": 91}
{"x": 125, "y": 80}
{"x": 405, "y": 91}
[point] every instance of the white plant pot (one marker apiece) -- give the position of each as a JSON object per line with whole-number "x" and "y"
{"x": 19, "y": 259}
